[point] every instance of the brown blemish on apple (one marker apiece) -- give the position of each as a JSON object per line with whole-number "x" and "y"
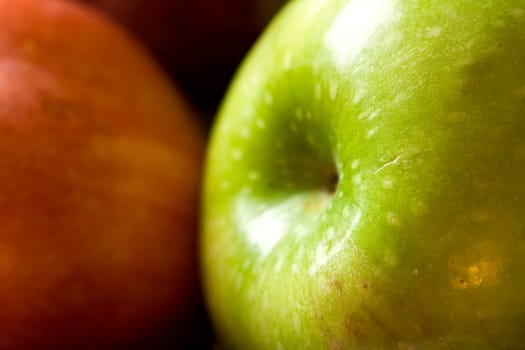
{"x": 490, "y": 339}
{"x": 355, "y": 327}
{"x": 367, "y": 286}
{"x": 336, "y": 284}
{"x": 379, "y": 323}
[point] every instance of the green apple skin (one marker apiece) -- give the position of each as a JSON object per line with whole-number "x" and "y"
{"x": 365, "y": 180}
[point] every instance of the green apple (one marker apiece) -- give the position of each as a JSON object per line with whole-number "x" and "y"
{"x": 365, "y": 181}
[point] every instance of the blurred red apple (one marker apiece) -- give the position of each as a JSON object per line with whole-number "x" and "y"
{"x": 99, "y": 176}
{"x": 201, "y": 42}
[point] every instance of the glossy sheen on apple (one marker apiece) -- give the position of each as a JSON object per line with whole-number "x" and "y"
{"x": 99, "y": 181}
{"x": 419, "y": 108}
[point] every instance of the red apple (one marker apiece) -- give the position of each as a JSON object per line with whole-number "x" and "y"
{"x": 100, "y": 167}
{"x": 201, "y": 42}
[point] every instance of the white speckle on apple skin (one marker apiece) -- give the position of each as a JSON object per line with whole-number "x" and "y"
{"x": 237, "y": 154}
{"x": 419, "y": 207}
{"x": 330, "y": 233}
{"x": 499, "y": 23}
{"x": 321, "y": 258}
{"x": 355, "y": 163}
{"x": 268, "y": 98}
{"x": 297, "y": 323}
{"x": 434, "y": 32}
{"x": 334, "y": 87}
{"x": 346, "y": 211}
{"x": 318, "y": 92}
{"x": 255, "y": 80}
{"x": 247, "y": 113}
{"x": 371, "y": 132}
{"x": 238, "y": 281}
{"x": 279, "y": 264}
{"x": 416, "y": 271}
{"x": 225, "y": 185}
{"x": 254, "y": 176}
{"x": 393, "y": 219}
{"x": 390, "y": 258}
{"x": 294, "y": 127}
{"x": 245, "y": 133}
{"x": 388, "y": 183}
{"x": 261, "y": 124}
{"x": 298, "y": 113}
{"x": 400, "y": 98}
{"x": 357, "y": 180}
{"x": 308, "y": 115}
{"x": 374, "y": 114}
{"x": 287, "y": 61}
{"x": 517, "y": 12}
{"x": 359, "y": 95}
{"x": 311, "y": 140}
{"x": 323, "y": 253}
{"x": 362, "y": 115}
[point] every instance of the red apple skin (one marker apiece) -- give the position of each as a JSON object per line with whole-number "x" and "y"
{"x": 201, "y": 42}
{"x": 100, "y": 166}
